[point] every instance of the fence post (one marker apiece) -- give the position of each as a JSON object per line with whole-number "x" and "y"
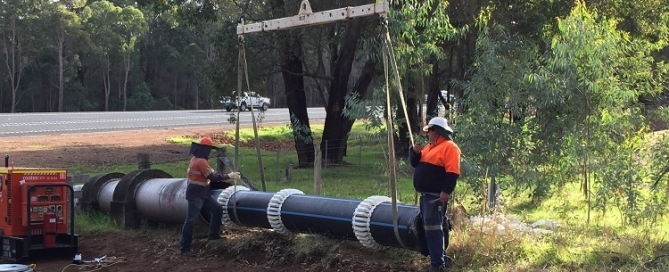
{"x": 359, "y": 150}
{"x": 492, "y": 194}
{"x": 143, "y": 161}
{"x": 220, "y": 165}
{"x": 278, "y": 165}
{"x": 318, "y": 160}
{"x": 77, "y": 182}
{"x": 289, "y": 172}
{"x": 326, "y": 154}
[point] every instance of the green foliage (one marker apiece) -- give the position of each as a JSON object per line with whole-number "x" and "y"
{"x": 302, "y": 132}
{"x": 544, "y": 119}
{"x": 604, "y": 72}
{"x": 364, "y": 109}
{"x": 164, "y": 103}
{"x": 421, "y": 27}
{"x": 78, "y": 99}
{"x": 605, "y": 245}
{"x": 498, "y": 132}
{"x": 141, "y": 99}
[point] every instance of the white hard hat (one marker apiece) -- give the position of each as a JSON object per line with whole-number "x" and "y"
{"x": 440, "y": 122}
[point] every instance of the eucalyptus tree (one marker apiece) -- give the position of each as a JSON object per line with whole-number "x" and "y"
{"x": 105, "y": 40}
{"x": 62, "y": 26}
{"x": 204, "y": 60}
{"x": 338, "y": 125}
{"x": 547, "y": 114}
{"x": 603, "y": 72}
{"x": 334, "y": 57}
{"x": 193, "y": 57}
{"x": 16, "y": 18}
{"x": 434, "y": 47}
{"x": 497, "y": 130}
{"x": 290, "y": 56}
{"x": 131, "y": 26}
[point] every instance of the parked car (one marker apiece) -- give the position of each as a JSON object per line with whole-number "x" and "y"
{"x": 440, "y": 106}
{"x": 248, "y": 99}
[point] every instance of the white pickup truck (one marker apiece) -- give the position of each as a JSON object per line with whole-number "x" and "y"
{"x": 248, "y": 99}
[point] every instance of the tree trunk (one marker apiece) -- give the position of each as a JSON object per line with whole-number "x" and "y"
{"x": 432, "y": 91}
{"x": 45, "y": 96}
{"x": 13, "y": 59}
{"x": 293, "y": 79}
{"x": 197, "y": 96}
{"x": 175, "y": 88}
{"x": 292, "y": 72}
{"x": 61, "y": 80}
{"x": 337, "y": 126}
{"x": 106, "y": 82}
{"x": 81, "y": 73}
{"x": 125, "y": 82}
{"x": 402, "y": 140}
{"x": 361, "y": 87}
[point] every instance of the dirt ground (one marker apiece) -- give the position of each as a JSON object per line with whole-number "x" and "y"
{"x": 137, "y": 251}
{"x": 101, "y": 147}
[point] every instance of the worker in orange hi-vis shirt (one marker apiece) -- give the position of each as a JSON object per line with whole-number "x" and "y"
{"x": 437, "y": 169}
{"x": 198, "y": 193}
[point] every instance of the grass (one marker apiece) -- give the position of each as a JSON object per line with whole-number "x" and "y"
{"x": 604, "y": 244}
{"x": 93, "y": 223}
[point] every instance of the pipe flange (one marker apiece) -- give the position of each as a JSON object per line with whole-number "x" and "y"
{"x": 274, "y": 209}
{"x": 362, "y": 217}
{"x": 123, "y": 208}
{"x": 91, "y": 190}
{"x": 224, "y": 199}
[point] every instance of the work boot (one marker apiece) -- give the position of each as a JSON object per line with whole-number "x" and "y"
{"x": 188, "y": 253}
{"x": 217, "y": 237}
{"x": 430, "y": 268}
{"x": 448, "y": 262}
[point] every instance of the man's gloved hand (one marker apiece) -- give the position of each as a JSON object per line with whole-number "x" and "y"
{"x": 234, "y": 175}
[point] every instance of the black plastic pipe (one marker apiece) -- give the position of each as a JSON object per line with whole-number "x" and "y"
{"x": 369, "y": 221}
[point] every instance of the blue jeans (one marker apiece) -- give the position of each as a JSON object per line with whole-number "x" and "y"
{"x": 433, "y": 218}
{"x": 194, "y": 207}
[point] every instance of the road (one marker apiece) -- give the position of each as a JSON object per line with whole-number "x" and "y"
{"x": 18, "y": 124}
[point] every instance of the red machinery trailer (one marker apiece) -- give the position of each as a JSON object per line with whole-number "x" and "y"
{"x": 36, "y": 213}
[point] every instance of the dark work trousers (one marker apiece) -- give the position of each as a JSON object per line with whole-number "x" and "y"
{"x": 432, "y": 213}
{"x": 194, "y": 207}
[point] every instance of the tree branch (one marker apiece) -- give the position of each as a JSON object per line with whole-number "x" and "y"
{"x": 312, "y": 75}
{"x": 244, "y": 8}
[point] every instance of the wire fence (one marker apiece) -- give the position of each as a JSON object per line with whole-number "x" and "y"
{"x": 366, "y": 157}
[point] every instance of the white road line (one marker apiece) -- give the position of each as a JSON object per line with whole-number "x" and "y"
{"x": 94, "y": 112}
{"x": 41, "y": 123}
{"x": 120, "y": 128}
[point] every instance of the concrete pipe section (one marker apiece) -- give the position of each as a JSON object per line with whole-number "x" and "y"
{"x": 97, "y": 193}
{"x": 15, "y": 268}
{"x": 155, "y": 196}
{"x": 159, "y": 200}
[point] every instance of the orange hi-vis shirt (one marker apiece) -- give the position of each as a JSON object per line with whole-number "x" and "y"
{"x": 198, "y": 183}
{"x": 434, "y": 165}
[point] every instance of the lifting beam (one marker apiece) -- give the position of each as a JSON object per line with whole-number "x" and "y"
{"x": 306, "y": 17}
